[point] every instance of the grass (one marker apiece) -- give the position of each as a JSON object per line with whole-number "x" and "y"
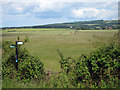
{"x": 91, "y": 24}
{"x": 45, "y": 42}
{"x": 34, "y": 29}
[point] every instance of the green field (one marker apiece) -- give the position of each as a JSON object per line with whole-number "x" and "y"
{"x": 45, "y": 42}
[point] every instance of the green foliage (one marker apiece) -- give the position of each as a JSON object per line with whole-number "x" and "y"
{"x": 18, "y": 38}
{"x": 82, "y": 70}
{"x": 63, "y": 80}
{"x": 102, "y": 66}
{"x": 78, "y": 28}
{"x": 66, "y": 63}
{"x": 104, "y": 62}
{"x": 29, "y": 67}
{"x": 99, "y": 69}
{"x": 26, "y": 39}
{"x": 7, "y": 51}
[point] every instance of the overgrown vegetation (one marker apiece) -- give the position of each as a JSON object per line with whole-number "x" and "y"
{"x": 29, "y": 67}
{"x": 99, "y": 69}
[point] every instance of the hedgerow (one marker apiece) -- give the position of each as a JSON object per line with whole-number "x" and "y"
{"x": 29, "y": 67}
{"x": 101, "y": 66}
{"x": 98, "y": 69}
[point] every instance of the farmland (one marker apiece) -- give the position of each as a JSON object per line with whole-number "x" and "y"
{"x": 44, "y": 43}
{"x": 57, "y": 44}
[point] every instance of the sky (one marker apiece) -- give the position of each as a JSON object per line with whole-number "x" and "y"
{"x": 41, "y": 12}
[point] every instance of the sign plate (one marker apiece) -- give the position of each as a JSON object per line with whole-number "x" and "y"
{"x": 20, "y": 42}
{"x": 12, "y": 46}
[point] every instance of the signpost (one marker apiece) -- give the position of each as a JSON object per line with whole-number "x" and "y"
{"x": 12, "y": 46}
{"x": 20, "y": 42}
{"x": 16, "y": 50}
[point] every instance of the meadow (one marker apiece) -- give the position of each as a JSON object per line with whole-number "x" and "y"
{"x": 44, "y": 43}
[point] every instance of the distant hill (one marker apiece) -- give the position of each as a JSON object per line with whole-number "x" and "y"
{"x": 83, "y": 25}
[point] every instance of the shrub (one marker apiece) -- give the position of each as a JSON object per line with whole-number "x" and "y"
{"x": 65, "y": 62}
{"x": 98, "y": 69}
{"x": 82, "y": 70}
{"x": 29, "y": 67}
{"x": 102, "y": 65}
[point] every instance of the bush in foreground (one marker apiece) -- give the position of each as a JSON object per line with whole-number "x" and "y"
{"x": 29, "y": 67}
{"x": 98, "y": 69}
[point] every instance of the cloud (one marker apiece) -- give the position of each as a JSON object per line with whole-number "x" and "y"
{"x": 27, "y": 20}
{"x": 48, "y": 6}
{"x": 39, "y": 10}
{"x": 85, "y": 12}
{"x": 42, "y": 12}
{"x": 16, "y": 7}
{"x": 20, "y": 7}
{"x": 60, "y": 0}
{"x": 93, "y": 13}
{"x": 32, "y": 7}
{"x": 107, "y": 4}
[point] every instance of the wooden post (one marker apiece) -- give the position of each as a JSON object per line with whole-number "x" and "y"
{"x": 16, "y": 56}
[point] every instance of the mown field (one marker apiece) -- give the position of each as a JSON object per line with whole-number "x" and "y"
{"x": 44, "y": 43}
